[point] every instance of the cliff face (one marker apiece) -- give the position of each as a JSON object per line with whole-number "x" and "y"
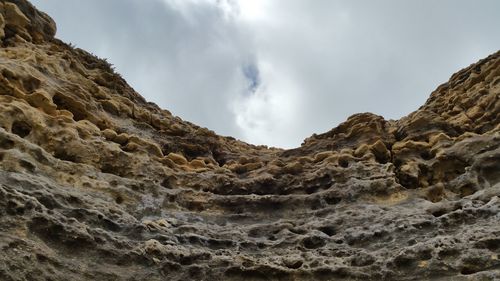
{"x": 98, "y": 184}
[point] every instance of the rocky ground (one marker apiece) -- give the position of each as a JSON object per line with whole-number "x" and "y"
{"x": 98, "y": 184}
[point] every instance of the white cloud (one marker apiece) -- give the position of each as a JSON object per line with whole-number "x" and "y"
{"x": 273, "y": 72}
{"x": 271, "y": 110}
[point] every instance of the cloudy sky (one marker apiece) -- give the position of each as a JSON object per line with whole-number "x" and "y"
{"x": 275, "y": 71}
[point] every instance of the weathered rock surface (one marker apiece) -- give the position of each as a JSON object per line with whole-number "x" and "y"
{"x": 98, "y": 184}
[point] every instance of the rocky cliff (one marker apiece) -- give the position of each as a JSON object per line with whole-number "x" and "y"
{"x": 98, "y": 184}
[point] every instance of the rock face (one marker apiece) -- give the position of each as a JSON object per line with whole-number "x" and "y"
{"x": 98, "y": 184}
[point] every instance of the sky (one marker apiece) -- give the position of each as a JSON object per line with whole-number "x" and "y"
{"x": 274, "y": 72}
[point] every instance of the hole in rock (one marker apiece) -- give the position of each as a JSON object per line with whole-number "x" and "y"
{"x": 313, "y": 242}
{"x": 6, "y": 143}
{"x": 468, "y": 271}
{"x": 382, "y": 159}
{"x": 42, "y": 258}
{"x": 56, "y": 234}
{"x": 435, "y": 194}
{"x": 166, "y": 183}
{"x": 328, "y": 230}
{"x": 491, "y": 244}
{"x": 490, "y": 171}
{"x": 64, "y": 155}
{"x": 407, "y": 181}
{"x": 169, "y": 267}
{"x": 332, "y": 200}
{"x": 426, "y": 155}
{"x": 110, "y": 225}
{"x": 73, "y": 200}
{"x": 9, "y": 74}
{"x": 400, "y": 135}
{"x": 119, "y": 199}
{"x": 219, "y": 157}
{"x": 66, "y": 103}
{"x": 237, "y": 273}
{"x": 30, "y": 84}
{"x": 425, "y": 254}
{"x": 216, "y": 244}
{"x": 14, "y": 208}
{"x": 448, "y": 253}
{"x": 467, "y": 190}
{"x": 343, "y": 163}
{"x": 312, "y": 189}
{"x": 48, "y": 201}
{"x": 27, "y": 165}
{"x": 193, "y": 151}
{"x": 298, "y": 231}
{"x": 403, "y": 261}
{"x": 439, "y": 213}
{"x": 294, "y": 264}
{"x": 21, "y": 128}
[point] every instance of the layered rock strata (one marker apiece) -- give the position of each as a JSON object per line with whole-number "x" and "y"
{"x": 96, "y": 183}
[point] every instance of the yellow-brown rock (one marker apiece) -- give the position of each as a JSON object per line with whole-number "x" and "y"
{"x": 177, "y": 158}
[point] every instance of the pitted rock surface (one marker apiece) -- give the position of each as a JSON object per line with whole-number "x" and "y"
{"x": 98, "y": 184}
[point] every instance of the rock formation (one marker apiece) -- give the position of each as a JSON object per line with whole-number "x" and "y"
{"x": 98, "y": 184}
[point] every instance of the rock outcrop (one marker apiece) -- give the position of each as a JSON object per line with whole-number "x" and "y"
{"x": 98, "y": 184}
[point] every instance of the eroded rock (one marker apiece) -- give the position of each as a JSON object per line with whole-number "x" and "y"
{"x": 98, "y": 184}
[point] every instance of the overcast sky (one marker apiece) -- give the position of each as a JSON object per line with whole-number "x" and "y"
{"x": 275, "y": 71}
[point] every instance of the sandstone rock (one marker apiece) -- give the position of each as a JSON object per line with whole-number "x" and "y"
{"x": 244, "y": 168}
{"x": 122, "y": 138}
{"x": 293, "y": 168}
{"x": 2, "y": 23}
{"x": 361, "y": 150}
{"x": 148, "y": 146}
{"x": 42, "y": 100}
{"x": 382, "y": 154}
{"x": 14, "y": 16}
{"x": 197, "y": 164}
{"x": 177, "y": 158}
{"x": 86, "y": 192}
{"x": 109, "y": 134}
{"x": 23, "y": 20}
